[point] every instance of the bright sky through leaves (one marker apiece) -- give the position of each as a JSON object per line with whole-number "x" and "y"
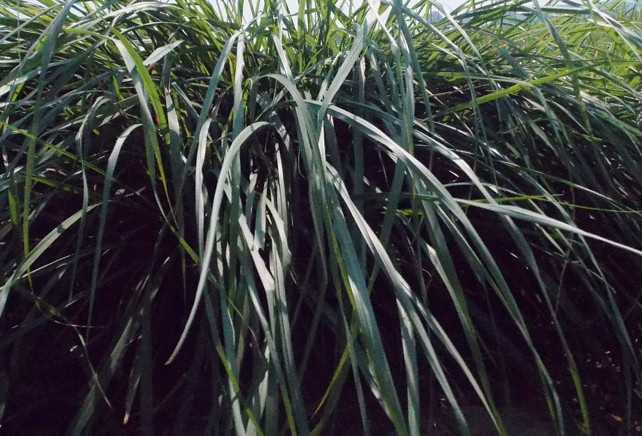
{"x": 448, "y": 4}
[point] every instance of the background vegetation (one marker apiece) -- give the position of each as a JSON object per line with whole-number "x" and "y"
{"x": 317, "y": 221}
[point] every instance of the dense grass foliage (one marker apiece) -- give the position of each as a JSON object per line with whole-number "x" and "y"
{"x": 319, "y": 222}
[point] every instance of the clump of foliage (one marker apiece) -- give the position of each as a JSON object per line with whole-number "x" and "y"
{"x": 318, "y": 221}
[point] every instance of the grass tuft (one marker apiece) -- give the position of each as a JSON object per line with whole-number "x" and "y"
{"x": 321, "y": 220}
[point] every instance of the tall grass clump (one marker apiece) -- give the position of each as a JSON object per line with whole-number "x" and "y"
{"x": 322, "y": 220}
